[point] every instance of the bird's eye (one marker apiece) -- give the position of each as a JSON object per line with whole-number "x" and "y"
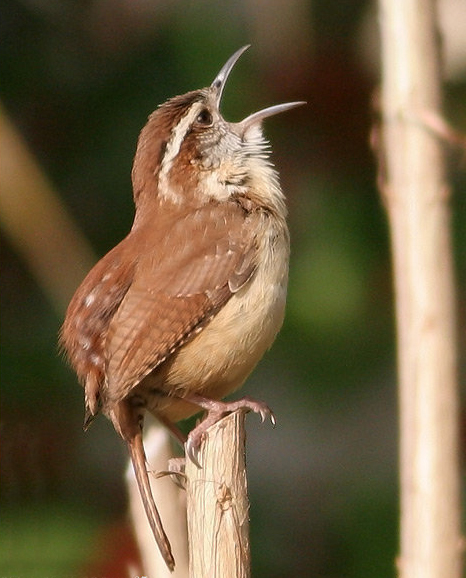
{"x": 204, "y": 118}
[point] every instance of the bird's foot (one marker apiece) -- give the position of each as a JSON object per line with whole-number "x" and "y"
{"x": 216, "y": 410}
{"x": 176, "y": 468}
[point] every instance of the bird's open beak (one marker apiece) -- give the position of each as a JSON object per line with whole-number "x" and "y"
{"x": 219, "y": 82}
{"x": 257, "y": 117}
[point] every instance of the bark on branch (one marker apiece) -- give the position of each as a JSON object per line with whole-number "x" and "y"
{"x": 217, "y": 503}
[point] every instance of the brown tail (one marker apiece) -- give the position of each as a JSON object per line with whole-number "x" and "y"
{"x": 138, "y": 458}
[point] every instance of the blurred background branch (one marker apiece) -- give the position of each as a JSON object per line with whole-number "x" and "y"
{"x": 415, "y": 189}
{"x": 37, "y": 223}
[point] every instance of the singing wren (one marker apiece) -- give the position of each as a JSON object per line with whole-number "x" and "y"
{"x": 177, "y": 315}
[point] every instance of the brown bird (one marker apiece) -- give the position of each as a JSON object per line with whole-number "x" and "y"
{"x": 178, "y": 314}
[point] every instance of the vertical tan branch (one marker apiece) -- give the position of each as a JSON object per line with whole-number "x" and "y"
{"x": 217, "y": 502}
{"x": 417, "y": 197}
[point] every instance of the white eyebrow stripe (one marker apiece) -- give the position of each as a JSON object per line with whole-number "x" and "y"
{"x": 173, "y": 148}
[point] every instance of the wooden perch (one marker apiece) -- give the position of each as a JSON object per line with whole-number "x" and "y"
{"x": 217, "y": 503}
{"x": 413, "y": 184}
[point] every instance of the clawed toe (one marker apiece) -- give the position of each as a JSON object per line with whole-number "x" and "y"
{"x": 176, "y": 468}
{"x": 215, "y": 411}
{"x": 260, "y": 407}
{"x": 192, "y": 447}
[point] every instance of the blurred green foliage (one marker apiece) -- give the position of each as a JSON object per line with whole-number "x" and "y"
{"x": 79, "y": 79}
{"x": 45, "y": 540}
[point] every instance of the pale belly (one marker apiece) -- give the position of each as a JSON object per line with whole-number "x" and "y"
{"x": 218, "y": 360}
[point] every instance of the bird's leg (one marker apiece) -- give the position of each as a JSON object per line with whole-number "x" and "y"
{"x": 175, "y": 465}
{"x": 215, "y": 411}
{"x": 173, "y": 429}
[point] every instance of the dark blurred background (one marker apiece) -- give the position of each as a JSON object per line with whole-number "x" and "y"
{"x": 79, "y": 79}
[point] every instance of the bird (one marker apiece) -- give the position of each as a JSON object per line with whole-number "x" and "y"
{"x": 177, "y": 315}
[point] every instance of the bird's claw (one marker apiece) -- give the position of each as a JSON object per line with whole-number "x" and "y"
{"x": 259, "y": 407}
{"x": 216, "y": 410}
{"x": 268, "y": 414}
{"x": 192, "y": 448}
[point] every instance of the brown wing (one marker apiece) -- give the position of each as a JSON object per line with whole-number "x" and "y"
{"x": 178, "y": 286}
{"x": 84, "y": 330}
